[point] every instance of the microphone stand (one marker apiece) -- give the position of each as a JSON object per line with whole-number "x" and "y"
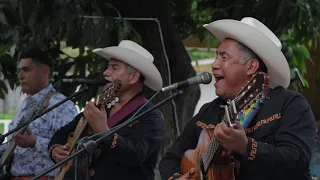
{"x": 81, "y": 90}
{"x": 89, "y": 145}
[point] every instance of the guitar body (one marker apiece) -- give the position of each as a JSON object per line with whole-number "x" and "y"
{"x": 6, "y": 158}
{"x": 221, "y": 168}
{"x": 5, "y": 168}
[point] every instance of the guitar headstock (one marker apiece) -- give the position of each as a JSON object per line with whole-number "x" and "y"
{"x": 253, "y": 90}
{"x": 109, "y": 93}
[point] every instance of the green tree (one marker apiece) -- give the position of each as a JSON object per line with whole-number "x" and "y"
{"x": 296, "y": 22}
{"x": 56, "y": 25}
{"x": 84, "y": 25}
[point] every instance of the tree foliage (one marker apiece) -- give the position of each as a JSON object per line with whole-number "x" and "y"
{"x": 56, "y": 24}
{"x": 296, "y": 22}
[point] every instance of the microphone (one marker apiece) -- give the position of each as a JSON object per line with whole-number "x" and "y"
{"x": 202, "y": 78}
{"x": 97, "y": 81}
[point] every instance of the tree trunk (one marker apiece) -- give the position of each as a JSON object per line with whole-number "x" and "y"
{"x": 313, "y": 76}
{"x": 179, "y": 61}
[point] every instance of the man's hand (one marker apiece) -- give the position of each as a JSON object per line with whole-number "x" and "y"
{"x": 60, "y": 152}
{"x": 233, "y": 139}
{"x": 97, "y": 117}
{"x": 26, "y": 140}
{"x": 188, "y": 175}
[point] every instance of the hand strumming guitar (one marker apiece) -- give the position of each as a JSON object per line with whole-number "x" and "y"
{"x": 232, "y": 138}
{"x": 60, "y": 152}
{"x": 96, "y": 116}
{"x": 188, "y": 175}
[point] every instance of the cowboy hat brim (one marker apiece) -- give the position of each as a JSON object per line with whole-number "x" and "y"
{"x": 152, "y": 75}
{"x": 259, "y": 43}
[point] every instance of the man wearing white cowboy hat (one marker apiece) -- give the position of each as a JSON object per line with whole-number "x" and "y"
{"x": 276, "y": 143}
{"x": 132, "y": 152}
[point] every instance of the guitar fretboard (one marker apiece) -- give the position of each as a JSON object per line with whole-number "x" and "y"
{"x": 214, "y": 145}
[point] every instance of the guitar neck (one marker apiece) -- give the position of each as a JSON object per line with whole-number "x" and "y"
{"x": 81, "y": 126}
{"x": 213, "y": 146}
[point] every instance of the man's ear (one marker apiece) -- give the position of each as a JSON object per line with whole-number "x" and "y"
{"x": 134, "y": 77}
{"x": 46, "y": 70}
{"x": 252, "y": 66}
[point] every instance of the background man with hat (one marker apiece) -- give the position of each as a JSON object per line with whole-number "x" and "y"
{"x": 277, "y": 149}
{"x": 132, "y": 152}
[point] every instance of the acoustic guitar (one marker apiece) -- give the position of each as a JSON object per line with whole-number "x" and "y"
{"x": 209, "y": 158}
{"x": 107, "y": 97}
{"x": 6, "y": 158}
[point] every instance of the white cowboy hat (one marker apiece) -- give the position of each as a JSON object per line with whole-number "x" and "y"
{"x": 136, "y": 56}
{"x": 260, "y": 40}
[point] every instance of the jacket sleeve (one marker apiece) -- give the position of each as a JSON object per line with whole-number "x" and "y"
{"x": 291, "y": 152}
{"x": 143, "y": 139}
{"x": 170, "y": 164}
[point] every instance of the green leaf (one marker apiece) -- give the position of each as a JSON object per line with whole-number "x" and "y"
{"x": 305, "y": 52}
{"x": 14, "y": 3}
{"x": 302, "y": 66}
{"x": 3, "y": 87}
{"x": 136, "y": 36}
{"x": 282, "y": 6}
{"x": 87, "y": 32}
{"x": 305, "y": 82}
{"x": 3, "y": 19}
{"x": 310, "y": 43}
{"x": 295, "y": 61}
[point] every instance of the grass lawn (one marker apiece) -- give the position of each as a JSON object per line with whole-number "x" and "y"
{"x": 5, "y": 116}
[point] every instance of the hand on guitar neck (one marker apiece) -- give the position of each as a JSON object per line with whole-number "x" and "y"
{"x": 232, "y": 138}
{"x": 96, "y": 116}
{"x": 26, "y": 139}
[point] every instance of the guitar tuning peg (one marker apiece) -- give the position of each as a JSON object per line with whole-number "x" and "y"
{"x": 117, "y": 99}
{"x": 113, "y": 102}
{"x": 108, "y": 105}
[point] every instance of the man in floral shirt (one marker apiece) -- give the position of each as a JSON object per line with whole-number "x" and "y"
{"x": 31, "y": 154}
